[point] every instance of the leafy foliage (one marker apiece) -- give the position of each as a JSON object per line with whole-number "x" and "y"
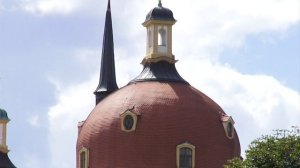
{"x": 235, "y": 163}
{"x": 280, "y": 150}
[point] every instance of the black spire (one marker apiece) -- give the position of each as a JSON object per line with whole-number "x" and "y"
{"x": 107, "y": 82}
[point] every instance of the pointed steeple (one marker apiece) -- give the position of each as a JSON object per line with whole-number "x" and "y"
{"x": 107, "y": 82}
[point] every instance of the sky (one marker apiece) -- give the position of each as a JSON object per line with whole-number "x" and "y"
{"x": 244, "y": 54}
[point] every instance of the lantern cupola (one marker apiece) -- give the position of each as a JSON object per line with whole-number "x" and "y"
{"x": 4, "y": 159}
{"x": 3, "y": 123}
{"x": 159, "y": 22}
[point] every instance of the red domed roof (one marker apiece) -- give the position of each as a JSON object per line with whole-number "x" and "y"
{"x": 169, "y": 114}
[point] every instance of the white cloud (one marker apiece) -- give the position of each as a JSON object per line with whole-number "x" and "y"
{"x": 42, "y": 7}
{"x": 207, "y": 27}
{"x": 258, "y": 103}
{"x": 219, "y": 24}
{"x": 34, "y": 120}
{"x": 73, "y": 105}
{"x": 61, "y": 7}
{"x": 203, "y": 14}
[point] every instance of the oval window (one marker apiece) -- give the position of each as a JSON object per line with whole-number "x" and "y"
{"x": 128, "y": 122}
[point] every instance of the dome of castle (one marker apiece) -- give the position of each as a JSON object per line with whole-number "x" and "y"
{"x": 168, "y": 114}
{"x": 158, "y": 120}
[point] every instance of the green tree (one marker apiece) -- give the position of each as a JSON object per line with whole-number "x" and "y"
{"x": 280, "y": 150}
{"x": 235, "y": 163}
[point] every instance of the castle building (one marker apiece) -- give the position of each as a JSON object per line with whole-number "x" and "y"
{"x": 4, "y": 159}
{"x": 158, "y": 120}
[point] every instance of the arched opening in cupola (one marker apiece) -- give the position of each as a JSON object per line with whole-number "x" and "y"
{"x": 162, "y": 37}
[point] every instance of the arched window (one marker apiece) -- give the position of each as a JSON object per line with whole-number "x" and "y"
{"x": 83, "y": 158}
{"x": 230, "y": 130}
{"x": 162, "y": 38}
{"x": 186, "y": 156}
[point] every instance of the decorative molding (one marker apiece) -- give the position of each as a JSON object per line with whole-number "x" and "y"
{"x": 4, "y": 148}
{"x": 123, "y": 117}
{"x": 153, "y": 58}
{"x": 228, "y": 124}
{"x": 86, "y": 153}
{"x": 158, "y": 22}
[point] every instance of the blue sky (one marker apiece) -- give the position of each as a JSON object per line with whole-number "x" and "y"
{"x": 279, "y": 57}
{"x": 246, "y": 56}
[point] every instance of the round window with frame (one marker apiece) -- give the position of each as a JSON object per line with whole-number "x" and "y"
{"x": 128, "y": 121}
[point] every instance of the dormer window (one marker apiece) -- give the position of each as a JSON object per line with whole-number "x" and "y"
{"x": 128, "y": 121}
{"x": 228, "y": 125}
{"x": 84, "y": 158}
{"x": 185, "y": 155}
{"x": 230, "y": 130}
